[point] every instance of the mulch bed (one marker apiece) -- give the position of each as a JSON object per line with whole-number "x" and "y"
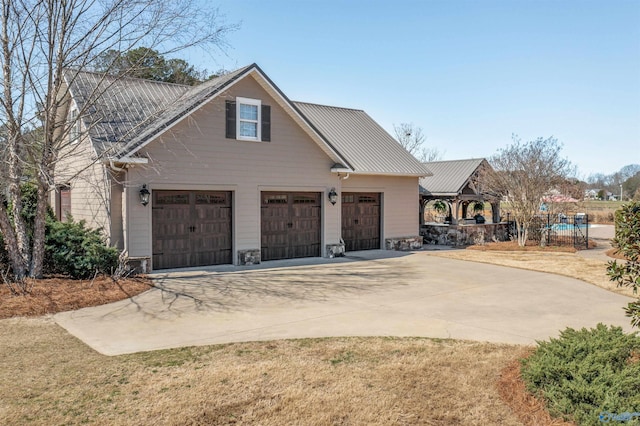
{"x": 52, "y": 295}
{"x": 530, "y": 410}
{"x": 513, "y": 246}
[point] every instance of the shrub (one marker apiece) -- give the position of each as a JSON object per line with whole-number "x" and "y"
{"x": 627, "y": 241}
{"x": 586, "y": 374}
{"x": 74, "y": 250}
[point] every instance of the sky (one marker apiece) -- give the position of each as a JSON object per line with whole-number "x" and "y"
{"x": 470, "y": 74}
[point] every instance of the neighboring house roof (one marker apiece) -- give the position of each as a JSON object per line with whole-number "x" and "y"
{"x": 369, "y": 148}
{"x": 127, "y": 113}
{"x": 449, "y": 177}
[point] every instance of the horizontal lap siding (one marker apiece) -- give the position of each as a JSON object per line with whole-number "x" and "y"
{"x": 399, "y": 200}
{"x": 90, "y": 192}
{"x": 196, "y": 155}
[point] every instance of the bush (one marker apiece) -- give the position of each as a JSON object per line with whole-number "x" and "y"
{"x": 586, "y": 374}
{"x": 627, "y": 241}
{"x": 72, "y": 249}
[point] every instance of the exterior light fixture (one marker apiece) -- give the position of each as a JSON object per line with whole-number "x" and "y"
{"x": 144, "y": 195}
{"x": 333, "y": 196}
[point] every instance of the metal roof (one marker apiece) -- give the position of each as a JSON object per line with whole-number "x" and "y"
{"x": 123, "y": 114}
{"x": 449, "y": 177}
{"x": 362, "y": 141}
{"x": 115, "y": 109}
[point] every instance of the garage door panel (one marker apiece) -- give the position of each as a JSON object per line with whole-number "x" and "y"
{"x": 191, "y": 228}
{"x": 361, "y": 221}
{"x": 290, "y": 225}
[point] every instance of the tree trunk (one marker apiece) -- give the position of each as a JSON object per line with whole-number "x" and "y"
{"x": 18, "y": 265}
{"x": 40, "y": 222}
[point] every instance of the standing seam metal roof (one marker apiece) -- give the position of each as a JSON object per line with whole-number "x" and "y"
{"x": 122, "y": 114}
{"x": 449, "y": 177}
{"x": 367, "y": 146}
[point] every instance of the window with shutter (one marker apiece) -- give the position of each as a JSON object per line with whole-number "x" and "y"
{"x": 247, "y": 119}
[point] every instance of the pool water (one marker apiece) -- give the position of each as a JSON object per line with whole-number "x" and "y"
{"x": 568, "y": 226}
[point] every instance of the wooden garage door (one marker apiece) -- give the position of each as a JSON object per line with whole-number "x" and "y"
{"x": 191, "y": 228}
{"x": 361, "y": 220}
{"x": 290, "y": 225}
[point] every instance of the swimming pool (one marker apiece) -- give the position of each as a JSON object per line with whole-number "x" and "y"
{"x": 568, "y": 226}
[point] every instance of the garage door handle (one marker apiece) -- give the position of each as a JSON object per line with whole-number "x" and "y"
{"x": 290, "y": 225}
{"x": 192, "y": 229}
{"x": 355, "y": 221}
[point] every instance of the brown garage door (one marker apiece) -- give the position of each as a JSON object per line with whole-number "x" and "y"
{"x": 361, "y": 220}
{"x": 290, "y": 225}
{"x": 191, "y": 228}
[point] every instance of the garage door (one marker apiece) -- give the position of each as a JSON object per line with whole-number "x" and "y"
{"x": 191, "y": 228}
{"x": 361, "y": 220}
{"x": 290, "y": 225}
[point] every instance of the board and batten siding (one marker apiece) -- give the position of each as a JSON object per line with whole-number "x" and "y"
{"x": 399, "y": 216}
{"x": 196, "y": 155}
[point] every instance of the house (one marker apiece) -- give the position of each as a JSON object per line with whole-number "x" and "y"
{"x": 458, "y": 183}
{"x": 231, "y": 172}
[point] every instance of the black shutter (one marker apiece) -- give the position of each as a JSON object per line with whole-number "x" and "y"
{"x": 266, "y": 123}
{"x": 231, "y": 119}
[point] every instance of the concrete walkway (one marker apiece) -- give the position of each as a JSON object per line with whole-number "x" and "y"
{"x": 601, "y": 235}
{"x": 374, "y": 293}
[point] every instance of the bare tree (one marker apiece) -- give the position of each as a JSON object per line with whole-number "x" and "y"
{"x": 522, "y": 174}
{"x": 43, "y": 45}
{"x": 413, "y": 140}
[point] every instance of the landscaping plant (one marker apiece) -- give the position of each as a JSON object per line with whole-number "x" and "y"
{"x": 71, "y": 248}
{"x": 627, "y": 241}
{"x": 587, "y": 376}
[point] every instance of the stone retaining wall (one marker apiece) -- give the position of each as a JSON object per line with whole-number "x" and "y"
{"x": 404, "y": 243}
{"x": 464, "y": 235}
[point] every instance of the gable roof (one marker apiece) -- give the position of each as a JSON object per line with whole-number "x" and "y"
{"x": 124, "y": 114}
{"x": 449, "y": 177}
{"x": 369, "y": 148}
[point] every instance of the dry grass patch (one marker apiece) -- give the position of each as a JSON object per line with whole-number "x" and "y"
{"x": 592, "y": 271}
{"x": 52, "y": 295}
{"x": 49, "y": 377}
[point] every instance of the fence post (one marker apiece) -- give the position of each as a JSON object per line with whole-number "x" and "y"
{"x": 586, "y": 230}
{"x": 548, "y": 229}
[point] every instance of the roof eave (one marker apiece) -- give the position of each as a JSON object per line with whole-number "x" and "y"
{"x": 399, "y": 174}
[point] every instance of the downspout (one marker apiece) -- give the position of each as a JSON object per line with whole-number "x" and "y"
{"x": 114, "y": 168}
{"x": 123, "y": 206}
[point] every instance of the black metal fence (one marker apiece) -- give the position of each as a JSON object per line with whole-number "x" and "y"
{"x": 557, "y": 230}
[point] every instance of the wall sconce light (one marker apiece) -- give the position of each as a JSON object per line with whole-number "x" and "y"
{"x": 144, "y": 195}
{"x": 333, "y": 196}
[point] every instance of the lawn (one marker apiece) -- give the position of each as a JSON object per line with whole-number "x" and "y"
{"x": 49, "y": 377}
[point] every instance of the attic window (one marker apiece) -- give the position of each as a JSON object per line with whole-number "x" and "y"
{"x": 247, "y": 119}
{"x": 74, "y": 122}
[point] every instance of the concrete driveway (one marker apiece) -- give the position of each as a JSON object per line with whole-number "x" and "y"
{"x": 374, "y": 293}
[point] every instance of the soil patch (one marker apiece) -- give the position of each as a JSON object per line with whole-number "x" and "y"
{"x": 530, "y": 410}
{"x": 615, "y": 254}
{"x": 52, "y": 295}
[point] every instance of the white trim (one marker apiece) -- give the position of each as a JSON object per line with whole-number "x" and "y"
{"x": 253, "y": 102}
{"x": 133, "y": 160}
{"x": 74, "y": 128}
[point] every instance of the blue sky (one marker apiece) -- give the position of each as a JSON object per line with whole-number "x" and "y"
{"x": 469, "y": 73}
